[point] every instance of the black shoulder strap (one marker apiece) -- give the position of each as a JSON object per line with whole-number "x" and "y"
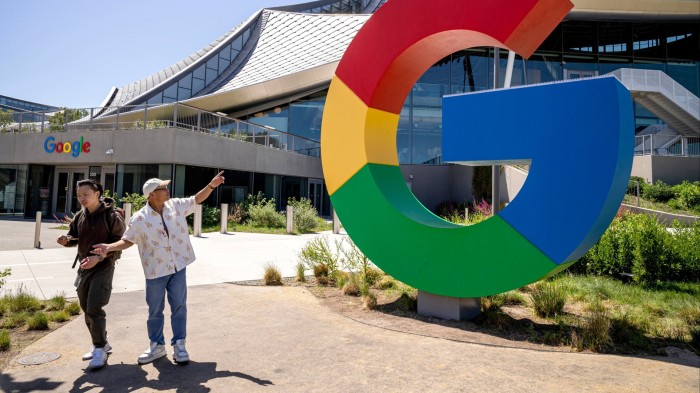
{"x": 75, "y": 217}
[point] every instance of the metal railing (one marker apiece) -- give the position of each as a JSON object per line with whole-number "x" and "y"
{"x": 658, "y": 81}
{"x": 666, "y": 145}
{"x": 174, "y": 115}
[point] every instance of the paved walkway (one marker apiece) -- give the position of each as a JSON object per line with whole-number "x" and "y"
{"x": 282, "y": 339}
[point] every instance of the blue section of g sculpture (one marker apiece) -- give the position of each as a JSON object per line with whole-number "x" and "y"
{"x": 579, "y": 139}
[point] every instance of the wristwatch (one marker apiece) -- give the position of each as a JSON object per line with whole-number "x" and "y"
{"x": 211, "y": 187}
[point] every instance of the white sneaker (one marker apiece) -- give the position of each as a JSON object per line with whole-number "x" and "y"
{"x": 88, "y": 355}
{"x": 99, "y": 358}
{"x": 155, "y": 351}
{"x": 180, "y": 354}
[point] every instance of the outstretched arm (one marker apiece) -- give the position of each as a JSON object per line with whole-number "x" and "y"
{"x": 202, "y": 195}
{"x": 103, "y": 249}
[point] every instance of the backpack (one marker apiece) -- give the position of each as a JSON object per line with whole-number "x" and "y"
{"x": 110, "y": 211}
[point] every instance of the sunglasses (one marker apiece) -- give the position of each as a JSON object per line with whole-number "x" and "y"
{"x": 160, "y": 188}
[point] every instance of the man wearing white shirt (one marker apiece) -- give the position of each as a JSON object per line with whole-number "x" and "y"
{"x": 160, "y": 231}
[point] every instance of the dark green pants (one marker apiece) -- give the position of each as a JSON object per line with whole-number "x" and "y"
{"x": 93, "y": 293}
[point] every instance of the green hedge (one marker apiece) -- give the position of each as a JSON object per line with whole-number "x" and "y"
{"x": 639, "y": 244}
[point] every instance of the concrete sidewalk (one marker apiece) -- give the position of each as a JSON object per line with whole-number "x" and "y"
{"x": 244, "y": 338}
{"x": 221, "y": 258}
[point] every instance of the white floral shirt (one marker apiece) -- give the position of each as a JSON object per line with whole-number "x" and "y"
{"x": 162, "y": 252}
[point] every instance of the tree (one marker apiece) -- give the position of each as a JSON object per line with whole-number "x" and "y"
{"x": 59, "y": 119}
{"x": 6, "y": 118}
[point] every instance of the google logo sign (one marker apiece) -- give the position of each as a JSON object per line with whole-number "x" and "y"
{"x": 74, "y": 148}
{"x": 578, "y": 138}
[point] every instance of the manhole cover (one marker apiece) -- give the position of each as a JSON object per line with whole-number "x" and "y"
{"x": 38, "y": 358}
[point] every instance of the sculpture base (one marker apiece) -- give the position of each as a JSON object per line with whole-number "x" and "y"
{"x": 446, "y": 307}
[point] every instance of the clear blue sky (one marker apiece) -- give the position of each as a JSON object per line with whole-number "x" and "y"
{"x": 70, "y": 53}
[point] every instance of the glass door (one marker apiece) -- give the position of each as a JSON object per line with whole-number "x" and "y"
{"x": 316, "y": 194}
{"x": 66, "y": 200}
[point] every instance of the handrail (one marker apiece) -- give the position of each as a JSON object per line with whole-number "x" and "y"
{"x": 172, "y": 115}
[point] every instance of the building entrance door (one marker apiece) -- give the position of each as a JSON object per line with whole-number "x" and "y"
{"x": 65, "y": 200}
{"x": 316, "y": 194}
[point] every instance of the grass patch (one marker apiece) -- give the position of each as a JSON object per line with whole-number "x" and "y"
{"x": 548, "y": 299}
{"x": 21, "y": 300}
{"x": 14, "y": 320}
{"x": 60, "y": 316}
{"x": 272, "y": 275}
{"x": 4, "y": 340}
{"x": 73, "y": 308}
{"x": 38, "y": 321}
{"x": 301, "y": 270}
{"x": 56, "y": 303}
{"x": 632, "y": 200}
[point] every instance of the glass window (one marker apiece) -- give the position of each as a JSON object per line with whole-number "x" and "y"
{"x": 470, "y": 70}
{"x": 186, "y": 81}
{"x": 223, "y": 64}
{"x": 197, "y": 85}
{"x": 130, "y": 178}
{"x": 171, "y": 91}
{"x": 543, "y": 67}
{"x": 237, "y": 45}
{"x": 305, "y": 119}
{"x": 615, "y": 39}
{"x": 426, "y": 135}
{"x": 213, "y": 63}
{"x": 211, "y": 75}
{"x": 246, "y": 35}
{"x": 156, "y": 99}
{"x": 12, "y": 185}
{"x": 183, "y": 94}
{"x": 682, "y": 41}
{"x": 199, "y": 72}
{"x": 648, "y": 40}
{"x": 225, "y": 53}
{"x": 403, "y": 135}
{"x": 277, "y": 118}
{"x": 579, "y": 37}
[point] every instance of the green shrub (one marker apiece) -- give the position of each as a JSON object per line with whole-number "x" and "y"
{"x": 56, "y": 303}
{"x": 304, "y": 215}
{"x": 137, "y": 201}
{"x": 4, "y": 340}
{"x": 351, "y": 286}
{"x": 372, "y": 275}
{"x": 386, "y": 282}
{"x": 22, "y": 301}
{"x": 3, "y": 274}
{"x": 639, "y": 244}
{"x": 369, "y": 301}
{"x": 15, "y": 320}
{"x": 686, "y": 196}
{"x": 659, "y": 191}
{"x": 264, "y": 214}
{"x": 321, "y": 270}
{"x": 596, "y": 330}
{"x": 318, "y": 251}
{"x": 301, "y": 277}
{"x": 38, "y": 321}
{"x": 272, "y": 275}
{"x": 548, "y": 299}
{"x": 495, "y": 302}
{"x": 73, "y": 308}
{"x": 60, "y": 316}
{"x": 408, "y": 301}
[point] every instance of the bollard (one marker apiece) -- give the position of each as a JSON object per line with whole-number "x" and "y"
{"x": 37, "y": 231}
{"x": 336, "y": 223}
{"x": 198, "y": 220}
{"x": 466, "y": 214}
{"x": 224, "y": 217}
{"x": 127, "y": 212}
{"x": 290, "y": 219}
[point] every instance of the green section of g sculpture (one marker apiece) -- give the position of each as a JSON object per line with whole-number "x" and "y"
{"x": 427, "y": 252}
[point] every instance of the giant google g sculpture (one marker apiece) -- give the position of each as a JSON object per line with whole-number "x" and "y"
{"x": 578, "y": 137}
